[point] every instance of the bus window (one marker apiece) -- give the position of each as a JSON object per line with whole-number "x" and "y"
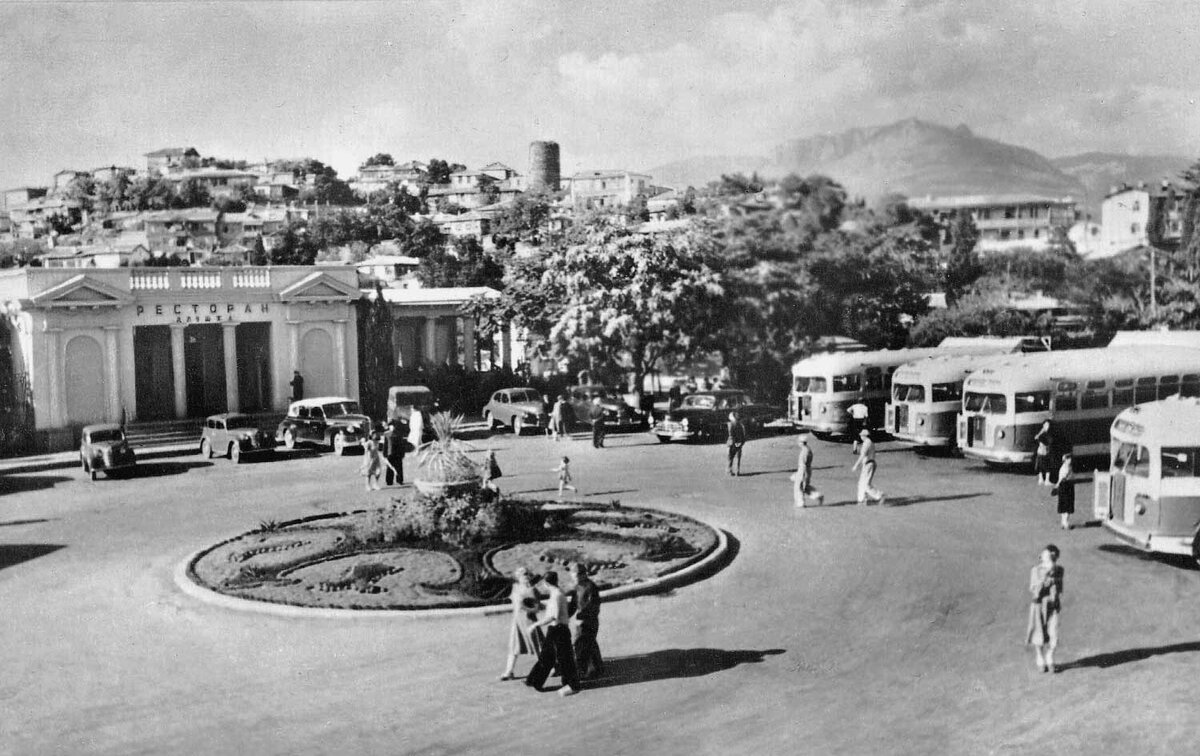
{"x": 947, "y": 392}
{"x": 1168, "y": 385}
{"x": 1138, "y": 465}
{"x": 988, "y": 404}
{"x": 874, "y": 380}
{"x": 1123, "y": 392}
{"x": 1145, "y": 391}
{"x": 909, "y": 392}
{"x": 1190, "y": 385}
{"x": 1032, "y": 401}
{"x": 1094, "y": 399}
{"x": 1179, "y": 462}
{"x": 1123, "y": 455}
{"x": 1066, "y": 402}
{"x": 847, "y": 382}
{"x": 818, "y": 385}
{"x": 800, "y": 383}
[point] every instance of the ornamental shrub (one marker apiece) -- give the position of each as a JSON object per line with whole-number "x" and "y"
{"x": 462, "y": 520}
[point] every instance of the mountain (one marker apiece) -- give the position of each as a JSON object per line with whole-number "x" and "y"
{"x": 1100, "y": 171}
{"x": 911, "y": 157}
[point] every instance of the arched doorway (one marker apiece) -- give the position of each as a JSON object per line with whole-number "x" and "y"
{"x": 316, "y": 363}
{"x": 84, "y": 381}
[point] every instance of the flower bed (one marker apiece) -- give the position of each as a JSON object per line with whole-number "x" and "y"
{"x": 426, "y": 552}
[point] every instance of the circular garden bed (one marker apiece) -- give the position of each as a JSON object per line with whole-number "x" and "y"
{"x": 430, "y": 552}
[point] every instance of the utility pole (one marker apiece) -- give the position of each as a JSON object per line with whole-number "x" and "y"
{"x": 1153, "y": 286}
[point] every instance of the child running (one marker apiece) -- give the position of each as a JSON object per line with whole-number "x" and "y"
{"x": 564, "y": 476}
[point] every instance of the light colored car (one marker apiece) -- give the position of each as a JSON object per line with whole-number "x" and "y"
{"x": 517, "y": 408}
{"x": 331, "y": 421}
{"x": 103, "y": 447}
{"x": 234, "y": 435}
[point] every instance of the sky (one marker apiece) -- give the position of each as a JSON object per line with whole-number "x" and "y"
{"x": 618, "y": 84}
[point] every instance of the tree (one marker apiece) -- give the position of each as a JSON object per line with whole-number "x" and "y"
{"x": 525, "y": 219}
{"x": 439, "y": 171}
{"x": 379, "y": 158}
{"x": 637, "y": 209}
{"x": 962, "y": 266}
{"x": 115, "y": 194}
{"x": 192, "y": 193}
{"x": 258, "y": 255}
{"x": 82, "y": 189}
{"x": 377, "y": 356}
{"x": 462, "y": 262}
{"x": 150, "y": 193}
{"x": 736, "y": 185}
{"x": 294, "y": 247}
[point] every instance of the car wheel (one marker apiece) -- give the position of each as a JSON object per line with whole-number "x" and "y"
{"x": 83, "y": 463}
{"x": 235, "y": 454}
{"x": 489, "y": 420}
{"x": 289, "y": 439}
{"x": 94, "y": 474}
{"x": 518, "y": 425}
{"x": 206, "y": 449}
{"x": 1196, "y": 547}
{"x": 664, "y": 439}
{"x": 339, "y": 443}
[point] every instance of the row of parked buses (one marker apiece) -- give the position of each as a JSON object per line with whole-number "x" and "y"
{"x": 1134, "y": 401}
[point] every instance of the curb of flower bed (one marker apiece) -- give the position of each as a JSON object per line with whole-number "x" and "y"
{"x": 711, "y": 563}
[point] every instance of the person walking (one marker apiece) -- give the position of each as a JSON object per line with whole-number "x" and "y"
{"x": 858, "y": 413}
{"x": 372, "y": 464}
{"x": 547, "y": 406}
{"x": 584, "y": 606}
{"x": 394, "y": 444}
{"x": 1065, "y": 491}
{"x": 491, "y": 472}
{"x": 865, "y": 464}
{"x": 1045, "y": 590}
{"x": 1042, "y": 462}
{"x": 416, "y": 428}
{"x": 556, "y": 652}
{"x": 596, "y": 415}
{"x": 802, "y": 488}
{"x": 297, "y": 384}
{"x": 735, "y": 439}
{"x": 523, "y": 637}
{"x": 564, "y": 476}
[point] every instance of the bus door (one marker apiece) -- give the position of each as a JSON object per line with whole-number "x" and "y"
{"x": 1130, "y": 484}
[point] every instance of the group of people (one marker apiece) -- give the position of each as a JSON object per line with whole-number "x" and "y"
{"x": 803, "y": 492}
{"x": 1060, "y": 477}
{"x": 383, "y": 456}
{"x": 557, "y": 627}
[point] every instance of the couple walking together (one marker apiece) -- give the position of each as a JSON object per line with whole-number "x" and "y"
{"x": 803, "y": 491}
{"x": 549, "y": 636}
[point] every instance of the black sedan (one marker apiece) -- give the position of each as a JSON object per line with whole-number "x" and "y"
{"x": 617, "y": 414}
{"x": 705, "y": 415}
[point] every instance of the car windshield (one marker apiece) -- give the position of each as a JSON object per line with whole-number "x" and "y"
{"x": 109, "y": 434}
{"x": 234, "y": 423}
{"x": 527, "y": 395}
{"x": 700, "y": 401}
{"x": 337, "y": 409}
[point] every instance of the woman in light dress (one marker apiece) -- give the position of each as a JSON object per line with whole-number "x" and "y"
{"x": 1045, "y": 590}
{"x": 523, "y": 638}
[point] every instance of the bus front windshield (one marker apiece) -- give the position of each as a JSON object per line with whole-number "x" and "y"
{"x": 987, "y": 404}
{"x": 908, "y": 392}
{"x": 811, "y": 384}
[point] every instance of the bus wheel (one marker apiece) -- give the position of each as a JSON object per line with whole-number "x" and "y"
{"x": 1196, "y": 548}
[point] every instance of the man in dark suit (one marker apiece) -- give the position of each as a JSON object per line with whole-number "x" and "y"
{"x": 735, "y": 440}
{"x": 394, "y": 440}
{"x": 584, "y": 606}
{"x": 596, "y": 415}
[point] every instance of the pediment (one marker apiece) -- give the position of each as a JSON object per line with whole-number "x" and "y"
{"x": 319, "y": 287}
{"x": 81, "y": 291}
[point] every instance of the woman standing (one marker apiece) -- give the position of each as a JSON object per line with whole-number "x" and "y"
{"x": 1042, "y": 462}
{"x": 372, "y": 464}
{"x": 1066, "y": 491}
{"x": 523, "y": 638}
{"x": 1045, "y": 590}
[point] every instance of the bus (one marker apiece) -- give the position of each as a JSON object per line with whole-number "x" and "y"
{"x": 1080, "y": 391}
{"x": 1150, "y": 497}
{"x": 927, "y": 397}
{"x": 824, "y": 385}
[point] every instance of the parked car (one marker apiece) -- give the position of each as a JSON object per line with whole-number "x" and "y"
{"x": 705, "y": 414}
{"x": 332, "y": 421}
{"x": 617, "y": 413}
{"x": 234, "y": 434}
{"x": 103, "y": 447}
{"x": 518, "y": 408}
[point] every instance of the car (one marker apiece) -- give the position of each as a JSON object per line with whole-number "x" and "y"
{"x": 234, "y": 435}
{"x": 331, "y": 421}
{"x": 103, "y": 446}
{"x": 403, "y": 401}
{"x": 705, "y": 415}
{"x": 518, "y": 408}
{"x": 617, "y": 413}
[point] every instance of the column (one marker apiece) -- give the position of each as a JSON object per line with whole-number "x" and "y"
{"x": 431, "y": 340}
{"x": 57, "y": 411}
{"x": 229, "y": 342}
{"x": 293, "y": 347}
{"x": 339, "y": 356}
{"x": 506, "y": 347}
{"x": 112, "y": 376}
{"x": 178, "y": 370}
{"x": 468, "y": 326}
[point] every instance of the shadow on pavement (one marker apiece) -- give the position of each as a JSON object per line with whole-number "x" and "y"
{"x": 14, "y": 553}
{"x": 11, "y": 485}
{"x": 1174, "y": 560}
{"x": 674, "y": 663}
{"x": 905, "y": 501}
{"x": 156, "y": 469}
{"x": 1113, "y": 658}
{"x": 27, "y": 522}
{"x": 608, "y": 493}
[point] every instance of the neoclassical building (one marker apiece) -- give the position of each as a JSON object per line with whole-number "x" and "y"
{"x": 87, "y": 345}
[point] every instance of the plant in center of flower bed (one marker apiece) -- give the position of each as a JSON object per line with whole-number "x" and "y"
{"x": 443, "y": 466}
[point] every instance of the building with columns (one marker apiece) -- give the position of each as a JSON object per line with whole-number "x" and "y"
{"x": 430, "y": 328}
{"x": 165, "y": 343}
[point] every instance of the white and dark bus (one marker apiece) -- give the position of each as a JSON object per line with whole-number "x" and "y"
{"x": 1080, "y": 391}
{"x": 1150, "y": 497}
